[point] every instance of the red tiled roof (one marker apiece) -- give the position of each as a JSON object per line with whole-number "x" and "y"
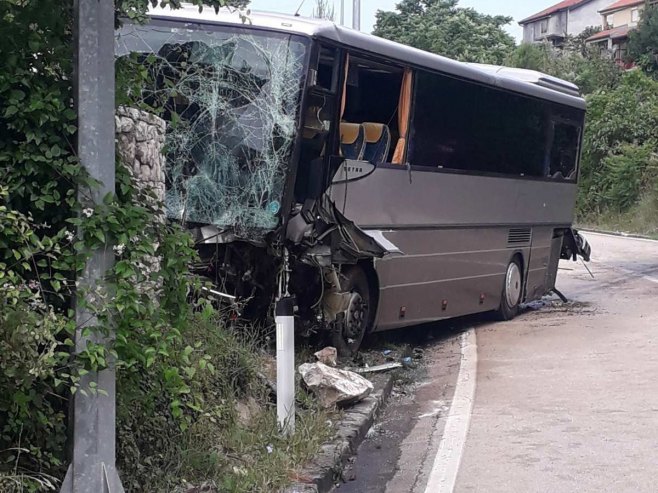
{"x": 615, "y": 33}
{"x": 621, "y": 4}
{"x": 565, "y": 4}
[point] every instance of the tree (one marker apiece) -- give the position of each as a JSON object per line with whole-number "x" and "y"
{"x": 324, "y": 10}
{"x": 643, "y": 41}
{"x": 618, "y": 119}
{"x": 136, "y": 9}
{"x": 584, "y": 66}
{"x": 440, "y": 26}
{"x": 531, "y": 56}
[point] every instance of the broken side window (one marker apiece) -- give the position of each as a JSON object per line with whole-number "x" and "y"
{"x": 231, "y": 99}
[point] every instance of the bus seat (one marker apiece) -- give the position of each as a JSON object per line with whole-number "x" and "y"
{"x": 352, "y": 140}
{"x": 378, "y": 142}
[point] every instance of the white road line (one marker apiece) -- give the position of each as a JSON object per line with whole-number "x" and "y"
{"x": 448, "y": 458}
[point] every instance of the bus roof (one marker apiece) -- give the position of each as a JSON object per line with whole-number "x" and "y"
{"x": 522, "y": 81}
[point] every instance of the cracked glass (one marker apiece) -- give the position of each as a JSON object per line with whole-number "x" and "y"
{"x": 231, "y": 98}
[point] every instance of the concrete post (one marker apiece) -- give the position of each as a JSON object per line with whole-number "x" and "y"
{"x": 285, "y": 364}
{"x": 92, "y": 469}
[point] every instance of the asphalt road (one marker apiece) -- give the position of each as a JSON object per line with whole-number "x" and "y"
{"x": 562, "y": 399}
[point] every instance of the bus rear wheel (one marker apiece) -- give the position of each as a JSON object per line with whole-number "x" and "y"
{"x": 356, "y": 321}
{"x": 512, "y": 288}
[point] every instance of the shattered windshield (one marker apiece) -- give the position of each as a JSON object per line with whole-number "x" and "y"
{"x": 231, "y": 100}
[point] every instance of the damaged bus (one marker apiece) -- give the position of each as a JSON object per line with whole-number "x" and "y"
{"x": 380, "y": 185}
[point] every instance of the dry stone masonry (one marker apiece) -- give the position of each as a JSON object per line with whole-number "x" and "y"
{"x": 141, "y": 138}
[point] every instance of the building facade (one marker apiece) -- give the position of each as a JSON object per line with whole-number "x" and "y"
{"x": 616, "y": 21}
{"x": 567, "y": 18}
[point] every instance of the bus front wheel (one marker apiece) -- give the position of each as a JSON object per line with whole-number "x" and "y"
{"x": 349, "y": 331}
{"x": 512, "y": 288}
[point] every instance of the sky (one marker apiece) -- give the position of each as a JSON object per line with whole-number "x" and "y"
{"x": 518, "y": 9}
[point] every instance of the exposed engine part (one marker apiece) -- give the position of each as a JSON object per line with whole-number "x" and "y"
{"x": 250, "y": 276}
{"x": 300, "y": 225}
{"x": 224, "y": 297}
{"x": 246, "y": 272}
{"x": 334, "y": 301}
{"x": 574, "y": 245}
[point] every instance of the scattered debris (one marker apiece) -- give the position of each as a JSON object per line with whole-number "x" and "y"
{"x": 379, "y": 368}
{"x": 333, "y": 386}
{"x": 386, "y": 352}
{"x": 406, "y": 361}
{"x": 206, "y": 487}
{"x": 327, "y": 356}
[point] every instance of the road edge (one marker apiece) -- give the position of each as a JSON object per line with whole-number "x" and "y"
{"x": 618, "y": 234}
{"x": 321, "y": 474}
{"x": 447, "y": 462}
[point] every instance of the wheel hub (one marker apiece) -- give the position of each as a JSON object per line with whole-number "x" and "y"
{"x": 513, "y": 284}
{"x": 355, "y": 317}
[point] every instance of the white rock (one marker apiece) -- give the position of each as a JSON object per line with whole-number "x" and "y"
{"x": 333, "y": 386}
{"x": 327, "y": 356}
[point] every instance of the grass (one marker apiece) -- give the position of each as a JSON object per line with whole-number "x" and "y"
{"x": 216, "y": 447}
{"x": 641, "y": 219}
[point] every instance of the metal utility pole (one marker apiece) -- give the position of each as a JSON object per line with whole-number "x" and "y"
{"x": 92, "y": 468}
{"x": 356, "y": 14}
{"x": 342, "y": 12}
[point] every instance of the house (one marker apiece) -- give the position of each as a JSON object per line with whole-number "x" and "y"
{"x": 617, "y": 20}
{"x": 567, "y": 18}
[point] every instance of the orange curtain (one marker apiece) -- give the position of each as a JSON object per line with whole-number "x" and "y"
{"x": 404, "y": 110}
{"x": 344, "y": 100}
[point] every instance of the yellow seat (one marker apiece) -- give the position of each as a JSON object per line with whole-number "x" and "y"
{"x": 378, "y": 142}
{"x": 352, "y": 140}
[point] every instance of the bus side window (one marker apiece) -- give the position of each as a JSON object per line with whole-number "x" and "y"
{"x": 461, "y": 125}
{"x": 372, "y": 97}
{"x": 321, "y": 107}
{"x": 564, "y": 151}
{"x": 327, "y": 71}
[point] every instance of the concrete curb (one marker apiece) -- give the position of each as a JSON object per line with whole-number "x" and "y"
{"x": 325, "y": 469}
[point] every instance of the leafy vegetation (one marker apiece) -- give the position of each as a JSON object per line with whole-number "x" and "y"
{"x": 619, "y": 154}
{"x": 577, "y": 63}
{"x": 643, "y": 41}
{"x": 440, "y": 26}
{"x": 229, "y": 438}
{"x": 180, "y": 369}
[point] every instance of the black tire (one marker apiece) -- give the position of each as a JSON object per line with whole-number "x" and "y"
{"x": 351, "y": 327}
{"x": 510, "y": 298}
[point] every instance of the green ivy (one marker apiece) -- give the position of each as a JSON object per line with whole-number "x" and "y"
{"x": 45, "y": 237}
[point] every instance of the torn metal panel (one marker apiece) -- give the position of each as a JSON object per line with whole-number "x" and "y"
{"x": 349, "y": 242}
{"x": 384, "y": 242}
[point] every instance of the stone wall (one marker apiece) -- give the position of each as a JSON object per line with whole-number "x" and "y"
{"x": 140, "y": 138}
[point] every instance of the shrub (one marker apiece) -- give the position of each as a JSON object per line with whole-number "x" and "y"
{"x": 32, "y": 359}
{"x": 628, "y": 115}
{"x": 626, "y": 174}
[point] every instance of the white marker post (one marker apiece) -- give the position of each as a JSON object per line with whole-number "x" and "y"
{"x": 285, "y": 364}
